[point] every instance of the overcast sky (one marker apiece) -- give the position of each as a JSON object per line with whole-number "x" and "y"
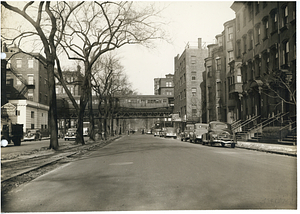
{"x": 189, "y": 20}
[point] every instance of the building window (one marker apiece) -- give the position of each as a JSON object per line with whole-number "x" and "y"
{"x": 46, "y": 98}
{"x": 285, "y": 53}
{"x": 30, "y": 96}
{"x": 250, "y": 40}
{"x": 274, "y": 21}
{"x": 245, "y": 43}
{"x": 193, "y": 59}
{"x": 257, "y": 7}
{"x": 250, "y": 9}
{"x": 218, "y": 62}
{"x": 239, "y": 79}
{"x": 30, "y": 63}
{"x": 18, "y": 112}
{"x": 168, "y": 84}
{"x": 209, "y": 70}
{"x": 239, "y": 51}
{"x": 30, "y": 79}
{"x": 230, "y": 55}
{"x": 19, "y": 63}
{"x": 194, "y": 91}
{"x": 32, "y": 126}
{"x": 285, "y": 11}
{"x": 40, "y": 97}
{"x": 230, "y": 33}
{"x": 257, "y": 28}
{"x": 19, "y": 76}
{"x": 32, "y": 114}
{"x": 56, "y": 90}
{"x": 238, "y": 22}
{"x": 194, "y": 112}
{"x": 257, "y": 67}
{"x": 266, "y": 27}
{"x": 193, "y": 77}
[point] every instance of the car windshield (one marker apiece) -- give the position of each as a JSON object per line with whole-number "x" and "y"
{"x": 220, "y": 126}
{"x": 170, "y": 129}
{"x": 202, "y": 126}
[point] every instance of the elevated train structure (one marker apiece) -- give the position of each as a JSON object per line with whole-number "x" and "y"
{"x": 128, "y": 107}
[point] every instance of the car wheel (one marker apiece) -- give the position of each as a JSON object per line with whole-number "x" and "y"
{"x": 223, "y": 144}
{"x": 191, "y": 141}
{"x": 181, "y": 139}
{"x": 232, "y": 145}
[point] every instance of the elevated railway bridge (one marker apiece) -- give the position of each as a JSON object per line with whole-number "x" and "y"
{"x": 124, "y": 107}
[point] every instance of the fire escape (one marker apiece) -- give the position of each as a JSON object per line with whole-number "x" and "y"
{"x": 26, "y": 84}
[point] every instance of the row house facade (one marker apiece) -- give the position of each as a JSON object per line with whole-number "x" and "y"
{"x": 164, "y": 86}
{"x": 187, "y": 78}
{"x": 223, "y": 85}
{"x": 265, "y": 49}
{"x": 26, "y": 88}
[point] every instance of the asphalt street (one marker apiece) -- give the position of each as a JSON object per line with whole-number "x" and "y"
{"x": 142, "y": 172}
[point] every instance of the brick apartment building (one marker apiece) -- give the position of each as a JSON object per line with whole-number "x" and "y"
{"x": 266, "y": 47}
{"x": 164, "y": 86}
{"x": 187, "y": 78}
{"x": 26, "y": 88}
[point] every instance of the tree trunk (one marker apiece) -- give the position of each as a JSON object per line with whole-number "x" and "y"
{"x": 112, "y": 126}
{"x": 52, "y": 109}
{"x": 105, "y": 127}
{"x": 91, "y": 113}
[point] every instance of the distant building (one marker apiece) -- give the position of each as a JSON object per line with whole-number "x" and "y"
{"x": 187, "y": 78}
{"x": 67, "y": 117}
{"x": 27, "y": 88}
{"x": 164, "y": 86}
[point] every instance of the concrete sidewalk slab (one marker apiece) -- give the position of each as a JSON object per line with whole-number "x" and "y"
{"x": 266, "y": 147}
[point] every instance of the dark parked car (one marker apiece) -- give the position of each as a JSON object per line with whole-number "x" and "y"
{"x": 170, "y": 132}
{"x": 71, "y": 134}
{"x": 219, "y": 132}
{"x": 33, "y": 134}
{"x": 199, "y": 130}
{"x": 188, "y": 132}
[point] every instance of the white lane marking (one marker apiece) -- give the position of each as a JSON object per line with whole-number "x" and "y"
{"x": 120, "y": 164}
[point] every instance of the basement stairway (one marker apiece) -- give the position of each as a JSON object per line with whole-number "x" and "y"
{"x": 291, "y": 138}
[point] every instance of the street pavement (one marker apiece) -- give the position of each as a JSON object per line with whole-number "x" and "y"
{"x": 141, "y": 172}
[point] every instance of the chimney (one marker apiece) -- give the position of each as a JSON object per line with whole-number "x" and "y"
{"x": 199, "y": 43}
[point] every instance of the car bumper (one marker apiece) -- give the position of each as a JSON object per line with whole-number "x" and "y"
{"x": 223, "y": 141}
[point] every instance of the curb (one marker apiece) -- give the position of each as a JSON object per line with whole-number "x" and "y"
{"x": 55, "y": 158}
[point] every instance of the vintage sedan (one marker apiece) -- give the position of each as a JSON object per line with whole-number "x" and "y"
{"x": 71, "y": 134}
{"x": 33, "y": 134}
{"x": 219, "y": 132}
{"x": 187, "y": 133}
{"x": 170, "y": 132}
{"x": 199, "y": 130}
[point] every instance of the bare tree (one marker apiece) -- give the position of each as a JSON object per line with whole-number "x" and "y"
{"x": 101, "y": 27}
{"x": 109, "y": 81}
{"x": 49, "y": 25}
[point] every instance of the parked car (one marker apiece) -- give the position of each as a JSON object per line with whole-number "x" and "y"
{"x": 33, "y": 134}
{"x": 199, "y": 130}
{"x": 71, "y": 134}
{"x": 185, "y": 135}
{"x": 156, "y": 132}
{"x": 219, "y": 132}
{"x": 149, "y": 131}
{"x": 170, "y": 132}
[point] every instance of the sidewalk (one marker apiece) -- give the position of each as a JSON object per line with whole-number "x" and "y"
{"x": 268, "y": 147}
